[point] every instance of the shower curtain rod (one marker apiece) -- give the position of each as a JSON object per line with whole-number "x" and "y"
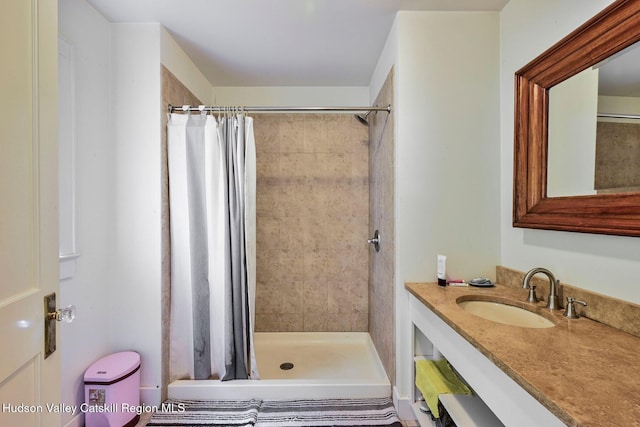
{"x": 222, "y": 109}
{"x": 619, "y": 116}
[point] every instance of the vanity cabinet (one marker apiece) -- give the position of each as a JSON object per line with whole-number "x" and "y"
{"x": 433, "y": 338}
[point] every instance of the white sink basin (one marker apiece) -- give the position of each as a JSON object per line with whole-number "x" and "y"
{"x": 505, "y": 313}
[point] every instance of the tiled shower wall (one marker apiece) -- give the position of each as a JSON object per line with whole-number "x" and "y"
{"x": 617, "y": 157}
{"x": 312, "y": 222}
{"x": 382, "y": 264}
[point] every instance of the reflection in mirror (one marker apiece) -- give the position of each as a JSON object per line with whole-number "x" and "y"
{"x": 594, "y": 129}
{"x": 572, "y": 135}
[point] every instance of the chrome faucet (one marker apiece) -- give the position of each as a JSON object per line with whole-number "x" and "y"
{"x": 553, "y": 302}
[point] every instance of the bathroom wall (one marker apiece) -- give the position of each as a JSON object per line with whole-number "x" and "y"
{"x": 312, "y": 222}
{"x": 446, "y": 110}
{"x": 117, "y": 286}
{"x": 381, "y": 217}
{"x": 185, "y": 73}
{"x": 291, "y": 95}
{"x": 605, "y": 264}
{"x": 84, "y": 340}
{"x": 135, "y": 321}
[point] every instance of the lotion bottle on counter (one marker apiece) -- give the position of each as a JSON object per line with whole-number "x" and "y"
{"x": 442, "y": 270}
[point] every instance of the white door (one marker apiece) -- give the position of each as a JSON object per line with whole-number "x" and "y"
{"x": 29, "y": 383}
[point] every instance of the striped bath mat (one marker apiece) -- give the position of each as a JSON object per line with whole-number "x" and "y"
{"x": 206, "y": 413}
{"x": 330, "y": 412}
{"x": 278, "y": 413}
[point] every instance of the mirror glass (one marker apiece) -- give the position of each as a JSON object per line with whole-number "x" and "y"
{"x": 594, "y": 129}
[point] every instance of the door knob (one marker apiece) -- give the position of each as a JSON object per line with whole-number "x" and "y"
{"x": 66, "y": 314}
{"x": 51, "y": 315}
{"x": 375, "y": 240}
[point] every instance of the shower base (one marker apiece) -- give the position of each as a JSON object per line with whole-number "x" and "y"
{"x": 315, "y": 365}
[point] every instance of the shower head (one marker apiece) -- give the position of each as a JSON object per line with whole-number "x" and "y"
{"x": 363, "y": 118}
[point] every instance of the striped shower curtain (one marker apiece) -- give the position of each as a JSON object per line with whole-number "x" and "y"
{"x": 212, "y": 184}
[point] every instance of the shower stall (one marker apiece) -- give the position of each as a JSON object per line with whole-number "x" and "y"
{"x": 312, "y": 263}
{"x": 337, "y": 365}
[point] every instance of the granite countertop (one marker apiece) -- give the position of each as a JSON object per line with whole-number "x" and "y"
{"x": 584, "y": 372}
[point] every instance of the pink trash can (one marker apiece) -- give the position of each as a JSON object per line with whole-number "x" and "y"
{"x": 112, "y": 391}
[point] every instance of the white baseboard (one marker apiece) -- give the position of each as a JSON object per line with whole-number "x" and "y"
{"x": 403, "y": 406}
{"x": 150, "y": 396}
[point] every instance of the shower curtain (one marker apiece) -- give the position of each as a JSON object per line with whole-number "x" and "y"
{"x": 212, "y": 184}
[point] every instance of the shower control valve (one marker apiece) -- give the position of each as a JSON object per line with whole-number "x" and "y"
{"x": 375, "y": 240}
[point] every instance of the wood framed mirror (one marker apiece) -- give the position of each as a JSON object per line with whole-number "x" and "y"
{"x": 608, "y": 33}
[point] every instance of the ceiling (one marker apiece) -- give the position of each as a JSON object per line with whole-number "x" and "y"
{"x": 619, "y": 74}
{"x": 281, "y": 42}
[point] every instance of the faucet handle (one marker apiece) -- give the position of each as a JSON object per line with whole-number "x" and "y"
{"x": 570, "y": 311}
{"x": 532, "y": 298}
